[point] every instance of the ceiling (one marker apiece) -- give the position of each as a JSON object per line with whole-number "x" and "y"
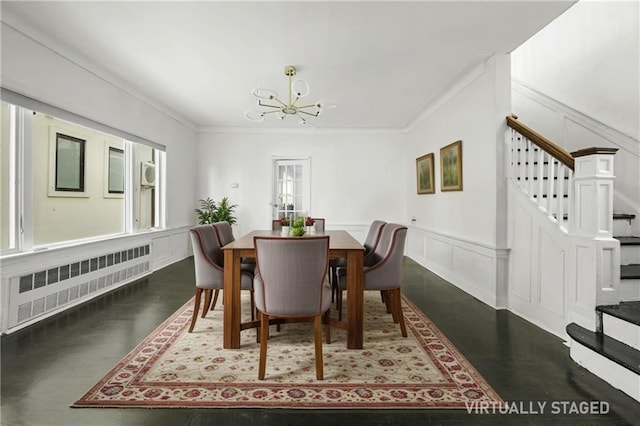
{"x": 383, "y": 63}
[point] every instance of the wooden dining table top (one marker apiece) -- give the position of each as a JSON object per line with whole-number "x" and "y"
{"x": 338, "y": 240}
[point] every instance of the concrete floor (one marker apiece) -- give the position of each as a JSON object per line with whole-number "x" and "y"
{"x": 49, "y": 365}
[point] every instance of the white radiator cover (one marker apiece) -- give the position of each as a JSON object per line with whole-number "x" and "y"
{"x": 40, "y": 284}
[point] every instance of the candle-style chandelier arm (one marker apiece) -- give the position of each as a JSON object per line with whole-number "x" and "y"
{"x": 308, "y": 113}
{"x": 297, "y": 89}
{"x": 271, "y": 106}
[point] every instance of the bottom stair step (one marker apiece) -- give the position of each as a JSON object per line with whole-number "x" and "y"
{"x": 606, "y": 346}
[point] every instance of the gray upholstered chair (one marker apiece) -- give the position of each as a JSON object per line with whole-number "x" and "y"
{"x": 385, "y": 274}
{"x": 276, "y": 225}
{"x": 292, "y": 284}
{"x": 370, "y": 244}
{"x": 208, "y": 260}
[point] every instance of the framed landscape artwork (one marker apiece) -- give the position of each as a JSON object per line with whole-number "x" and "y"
{"x": 451, "y": 167}
{"x": 425, "y": 175}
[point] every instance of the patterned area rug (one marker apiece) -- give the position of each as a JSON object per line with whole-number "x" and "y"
{"x": 173, "y": 368}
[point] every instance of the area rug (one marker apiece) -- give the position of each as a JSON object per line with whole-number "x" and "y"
{"x": 174, "y": 368}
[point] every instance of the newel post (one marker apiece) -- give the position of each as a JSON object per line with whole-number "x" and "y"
{"x": 593, "y": 192}
{"x": 597, "y": 252}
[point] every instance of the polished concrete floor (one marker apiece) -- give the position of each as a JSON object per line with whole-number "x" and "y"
{"x": 49, "y": 365}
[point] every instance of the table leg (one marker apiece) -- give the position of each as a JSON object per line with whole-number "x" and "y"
{"x": 355, "y": 299}
{"x": 231, "y": 298}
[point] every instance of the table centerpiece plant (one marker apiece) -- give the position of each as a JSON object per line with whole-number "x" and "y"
{"x": 285, "y": 222}
{"x": 309, "y": 223}
{"x": 297, "y": 227}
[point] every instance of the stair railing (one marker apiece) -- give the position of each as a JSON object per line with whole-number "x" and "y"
{"x": 543, "y": 170}
{"x": 575, "y": 190}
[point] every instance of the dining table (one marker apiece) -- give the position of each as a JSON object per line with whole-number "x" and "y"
{"x": 341, "y": 245}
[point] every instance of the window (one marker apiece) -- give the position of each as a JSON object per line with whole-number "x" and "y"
{"x": 69, "y": 163}
{"x": 68, "y": 180}
{"x": 115, "y": 168}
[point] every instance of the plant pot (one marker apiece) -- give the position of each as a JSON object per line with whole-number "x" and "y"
{"x": 311, "y": 229}
{"x": 284, "y": 230}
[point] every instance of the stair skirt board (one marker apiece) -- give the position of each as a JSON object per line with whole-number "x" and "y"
{"x": 621, "y": 330}
{"x": 609, "y": 371}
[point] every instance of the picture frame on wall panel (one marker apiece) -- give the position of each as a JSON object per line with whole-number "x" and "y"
{"x": 451, "y": 167}
{"x": 425, "y": 176}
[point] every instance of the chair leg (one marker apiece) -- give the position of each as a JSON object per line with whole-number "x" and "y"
{"x": 196, "y": 308}
{"x": 215, "y": 299}
{"x": 327, "y": 330}
{"x": 397, "y": 303}
{"x": 253, "y": 307}
{"x": 264, "y": 336}
{"x": 339, "y": 304}
{"x": 390, "y": 301}
{"x": 207, "y": 301}
{"x": 317, "y": 320}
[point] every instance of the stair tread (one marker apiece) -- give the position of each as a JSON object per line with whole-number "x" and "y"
{"x": 628, "y": 241}
{"x": 628, "y": 311}
{"x": 630, "y": 272}
{"x": 606, "y": 346}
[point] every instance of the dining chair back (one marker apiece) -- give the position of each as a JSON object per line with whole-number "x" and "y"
{"x": 208, "y": 262}
{"x": 291, "y": 283}
{"x": 224, "y": 232}
{"x": 318, "y": 224}
{"x": 276, "y": 225}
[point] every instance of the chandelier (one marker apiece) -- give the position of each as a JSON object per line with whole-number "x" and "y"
{"x": 270, "y": 103}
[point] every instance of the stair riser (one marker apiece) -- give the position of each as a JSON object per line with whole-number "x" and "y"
{"x": 616, "y": 375}
{"x": 621, "y": 227}
{"x": 630, "y": 290}
{"x": 629, "y": 254}
{"x": 621, "y": 330}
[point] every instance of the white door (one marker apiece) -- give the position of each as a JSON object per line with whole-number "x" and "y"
{"x": 291, "y": 183}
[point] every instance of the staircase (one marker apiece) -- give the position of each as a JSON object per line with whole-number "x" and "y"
{"x": 546, "y": 174}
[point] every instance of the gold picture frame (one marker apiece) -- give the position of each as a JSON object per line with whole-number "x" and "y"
{"x": 425, "y": 176}
{"x": 451, "y": 167}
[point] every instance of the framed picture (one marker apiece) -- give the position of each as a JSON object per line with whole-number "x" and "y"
{"x": 424, "y": 174}
{"x": 451, "y": 167}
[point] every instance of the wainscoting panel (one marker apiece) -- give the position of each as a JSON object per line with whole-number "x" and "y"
{"x": 552, "y": 266}
{"x": 476, "y": 268}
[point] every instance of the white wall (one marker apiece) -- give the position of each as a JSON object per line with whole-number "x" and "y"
{"x": 355, "y": 178}
{"x": 461, "y": 235}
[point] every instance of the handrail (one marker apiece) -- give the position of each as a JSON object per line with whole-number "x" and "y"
{"x": 543, "y": 143}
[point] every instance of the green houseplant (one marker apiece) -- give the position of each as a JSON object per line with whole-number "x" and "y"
{"x": 212, "y": 212}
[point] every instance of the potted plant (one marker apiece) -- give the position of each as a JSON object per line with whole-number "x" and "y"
{"x": 309, "y": 223}
{"x": 285, "y": 223}
{"x": 297, "y": 227}
{"x": 212, "y": 212}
